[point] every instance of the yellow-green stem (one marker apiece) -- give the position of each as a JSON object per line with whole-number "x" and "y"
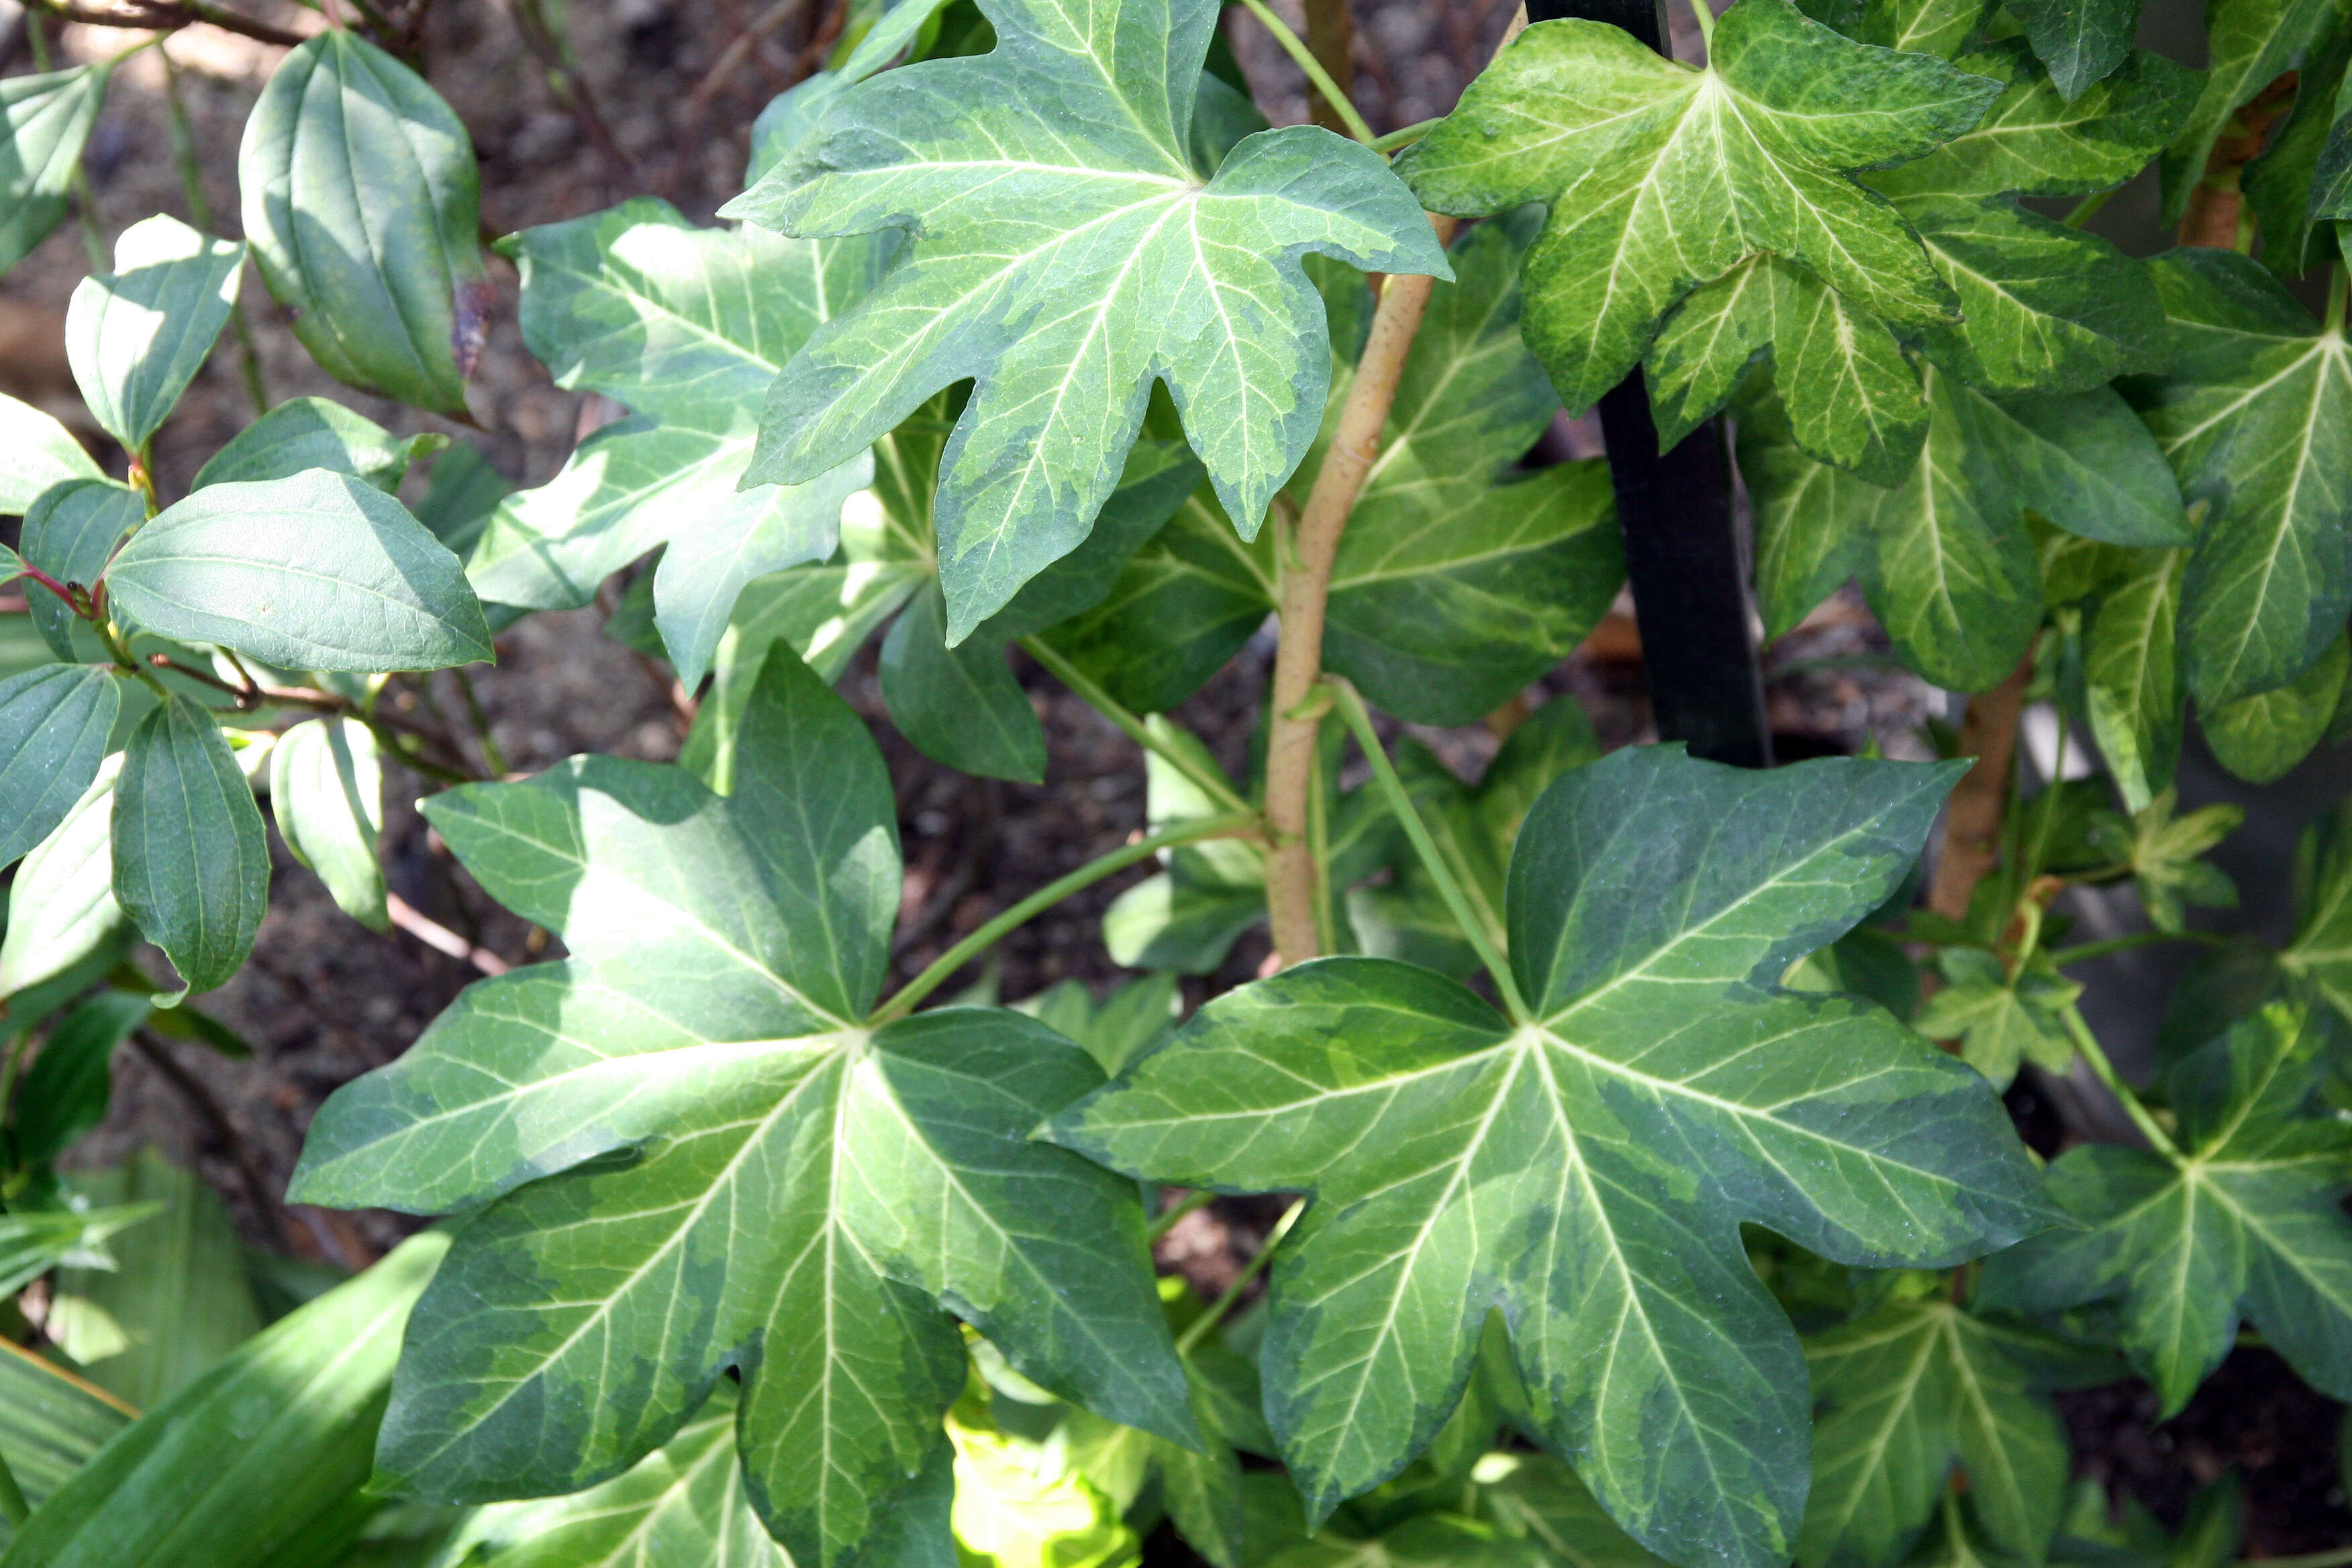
{"x": 1296, "y": 47}
{"x": 1198, "y": 1198}
{"x": 2142, "y": 1118}
{"x": 1206, "y": 1322}
{"x": 1202, "y": 779}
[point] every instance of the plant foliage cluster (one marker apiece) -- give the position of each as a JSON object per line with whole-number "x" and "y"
{"x": 1639, "y": 1215}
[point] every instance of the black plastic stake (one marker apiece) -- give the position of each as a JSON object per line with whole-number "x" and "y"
{"x": 1682, "y": 551}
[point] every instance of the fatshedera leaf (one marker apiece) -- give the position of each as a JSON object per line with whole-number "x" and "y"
{"x": 2244, "y": 1220}
{"x": 1063, "y": 255}
{"x": 783, "y": 1187}
{"x": 1662, "y": 177}
{"x": 1586, "y": 1170}
{"x": 2321, "y": 953}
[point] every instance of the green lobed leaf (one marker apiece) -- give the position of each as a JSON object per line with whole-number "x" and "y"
{"x": 137, "y": 336}
{"x": 2039, "y": 139}
{"x": 2131, "y": 676}
{"x": 1911, "y": 1391}
{"x": 313, "y": 433}
{"x": 45, "y": 119}
{"x": 2081, "y": 41}
{"x": 2321, "y": 953}
{"x": 61, "y": 907}
{"x": 319, "y": 571}
{"x": 819, "y": 1189}
{"x": 191, "y": 861}
{"x": 2244, "y": 1221}
{"x": 2166, "y": 864}
{"x": 71, "y": 531}
{"x": 2255, "y": 417}
{"x": 1853, "y": 396}
{"x": 2262, "y": 737}
{"x": 362, "y": 204}
{"x": 177, "y": 1295}
{"x": 687, "y": 327}
{"x": 2248, "y": 43}
{"x": 54, "y": 724}
{"x": 326, "y": 791}
{"x": 1063, "y": 274}
{"x": 1585, "y": 1171}
{"x": 1999, "y": 1018}
{"x": 64, "y": 1093}
{"x": 1679, "y": 174}
{"x": 242, "y": 1461}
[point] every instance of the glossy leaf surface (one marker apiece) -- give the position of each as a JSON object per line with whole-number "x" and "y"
{"x": 191, "y": 861}
{"x": 137, "y": 336}
{"x": 326, "y": 791}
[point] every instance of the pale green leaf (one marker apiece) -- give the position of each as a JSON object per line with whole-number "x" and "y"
{"x": 1677, "y": 174}
{"x": 36, "y": 452}
{"x": 1064, "y": 255}
{"x": 2000, "y": 1019}
{"x": 45, "y": 119}
{"x": 2262, "y": 737}
{"x": 257, "y": 1452}
{"x": 191, "y": 861}
{"x": 363, "y": 206}
{"x": 177, "y": 1291}
{"x": 61, "y": 906}
{"x": 1585, "y": 1171}
{"x": 326, "y": 791}
{"x": 313, "y": 433}
{"x": 1132, "y": 1019}
{"x": 137, "y": 336}
{"x": 1941, "y": 27}
{"x": 2246, "y": 1221}
{"x": 820, "y": 1189}
{"x": 2255, "y": 417}
{"x": 319, "y": 571}
{"x": 2131, "y": 676}
{"x": 54, "y": 725}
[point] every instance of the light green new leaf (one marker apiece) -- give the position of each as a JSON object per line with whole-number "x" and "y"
{"x": 326, "y": 791}
{"x": 51, "y": 1422}
{"x": 54, "y": 724}
{"x": 817, "y": 1190}
{"x": 254, "y": 1456}
{"x": 137, "y": 336}
{"x": 35, "y": 451}
{"x": 64, "y": 1093}
{"x": 2248, "y": 43}
{"x": 177, "y": 1296}
{"x": 2039, "y": 141}
{"x": 2166, "y": 863}
{"x": 2321, "y": 953}
{"x": 687, "y": 327}
{"x": 2043, "y": 308}
{"x": 1910, "y": 1390}
{"x": 2245, "y": 1220}
{"x": 61, "y": 906}
{"x": 70, "y": 532}
{"x": 683, "y": 1506}
{"x": 1132, "y": 1019}
{"x": 319, "y": 571}
{"x": 1587, "y": 1171}
{"x": 1063, "y": 255}
{"x": 1852, "y": 397}
{"x": 44, "y": 120}
{"x": 363, "y": 205}
{"x": 313, "y": 433}
{"x": 2131, "y": 676}
{"x": 1663, "y": 177}
{"x": 2255, "y": 417}
{"x": 1999, "y": 1018}
{"x": 2262, "y": 737}
{"x": 191, "y": 861}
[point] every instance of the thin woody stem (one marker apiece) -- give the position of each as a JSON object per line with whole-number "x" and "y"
{"x": 1306, "y": 590}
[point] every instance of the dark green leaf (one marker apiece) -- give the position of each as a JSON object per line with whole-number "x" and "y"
{"x": 238, "y": 1463}
{"x": 313, "y": 433}
{"x": 2166, "y": 863}
{"x": 319, "y": 571}
{"x": 44, "y": 120}
{"x": 2248, "y": 43}
{"x": 137, "y": 336}
{"x": 1064, "y": 255}
{"x": 54, "y": 724}
{"x": 962, "y": 705}
{"x": 2080, "y": 40}
{"x": 1658, "y": 1095}
{"x": 191, "y": 862}
{"x": 65, "y": 1094}
{"x": 2322, "y": 949}
{"x": 2246, "y": 1220}
{"x": 326, "y": 791}
{"x": 2262, "y": 737}
{"x": 2305, "y": 173}
{"x": 61, "y": 906}
{"x": 71, "y": 531}
{"x": 816, "y": 1187}
{"x": 458, "y": 503}
{"x": 1679, "y": 174}
{"x": 2131, "y": 676}
{"x": 363, "y": 206}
